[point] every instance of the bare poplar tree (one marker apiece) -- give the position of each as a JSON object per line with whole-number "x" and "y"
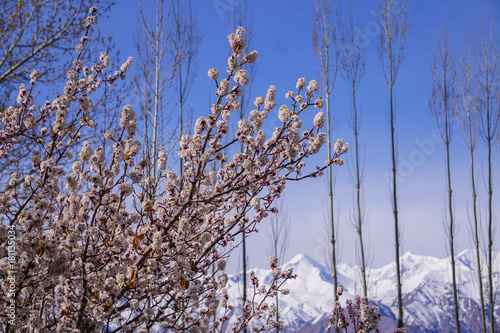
{"x": 353, "y": 70}
{"x": 173, "y": 37}
{"x": 489, "y": 90}
{"x": 326, "y": 36}
{"x": 394, "y": 26}
{"x": 279, "y": 238}
{"x": 239, "y": 17}
{"x": 184, "y": 39}
{"x": 442, "y": 104}
{"x": 155, "y": 78}
{"x": 469, "y": 117}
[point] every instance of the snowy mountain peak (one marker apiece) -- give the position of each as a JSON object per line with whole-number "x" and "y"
{"x": 409, "y": 254}
{"x": 304, "y": 265}
{"x": 299, "y": 258}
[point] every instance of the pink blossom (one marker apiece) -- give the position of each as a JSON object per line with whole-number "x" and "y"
{"x": 284, "y": 113}
{"x": 213, "y": 74}
{"x": 313, "y": 86}
{"x": 258, "y": 101}
{"x": 301, "y": 83}
{"x": 251, "y": 57}
{"x": 34, "y": 76}
{"x": 319, "y": 120}
{"x": 318, "y": 104}
{"x": 126, "y": 65}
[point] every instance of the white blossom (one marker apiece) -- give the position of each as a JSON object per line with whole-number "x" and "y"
{"x": 213, "y": 74}
{"x": 319, "y": 120}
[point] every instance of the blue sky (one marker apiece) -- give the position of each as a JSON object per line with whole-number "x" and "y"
{"x": 282, "y": 30}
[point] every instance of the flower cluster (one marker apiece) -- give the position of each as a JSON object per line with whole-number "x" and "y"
{"x": 121, "y": 257}
{"x": 258, "y": 307}
{"x": 362, "y": 316}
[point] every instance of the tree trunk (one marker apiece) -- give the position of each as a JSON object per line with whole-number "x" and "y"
{"x": 358, "y": 194}
{"x": 395, "y": 193}
{"x": 476, "y": 230}
{"x": 330, "y": 202}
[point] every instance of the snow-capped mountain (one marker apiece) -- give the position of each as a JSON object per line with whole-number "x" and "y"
{"x": 427, "y": 293}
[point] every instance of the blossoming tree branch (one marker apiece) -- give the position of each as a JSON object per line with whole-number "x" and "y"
{"x": 102, "y": 247}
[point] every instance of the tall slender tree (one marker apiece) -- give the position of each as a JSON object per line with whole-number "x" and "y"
{"x": 240, "y": 17}
{"x": 489, "y": 90}
{"x": 279, "y": 238}
{"x": 442, "y": 104}
{"x": 394, "y": 26}
{"x": 469, "y": 116}
{"x": 326, "y": 36}
{"x": 353, "y": 70}
{"x": 154, "y": 79}
{"x": 184, "y": 38}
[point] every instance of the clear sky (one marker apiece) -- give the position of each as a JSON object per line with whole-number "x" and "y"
{"x": 282, "y": 36}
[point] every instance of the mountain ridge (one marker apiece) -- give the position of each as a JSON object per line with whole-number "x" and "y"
{"x": 427, "y": 293}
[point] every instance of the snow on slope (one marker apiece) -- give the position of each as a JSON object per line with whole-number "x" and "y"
{"x": 427, "y": 292}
